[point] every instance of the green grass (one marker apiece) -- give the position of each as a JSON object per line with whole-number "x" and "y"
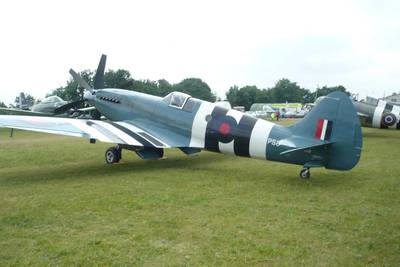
{"x": 60, "y": 204}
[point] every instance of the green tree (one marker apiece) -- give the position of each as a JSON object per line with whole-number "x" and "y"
{"x": 325, "y": 90}
{"x": 2, "y": 105}
{"x": 264, "y": 96}
{"x": 122, "y": 79}
{"x": 164, "y": 87}
{"x": 196, "y": 88}
{"x": 146, "y": 86}
{"x": 73, "y": 91}
{"x": 233, "y": 96}
{"x": 248, "y": 95}
{"x": 287, "y": 91}
{"x": 117, "y": 79}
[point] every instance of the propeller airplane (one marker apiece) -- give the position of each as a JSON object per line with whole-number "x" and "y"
{"x": 329, "y": 136}
{"x": 378, "y": 114}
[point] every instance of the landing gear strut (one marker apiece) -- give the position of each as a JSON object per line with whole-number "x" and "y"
{"x": 305, "y": 173}
{"x": 113, "y": 155}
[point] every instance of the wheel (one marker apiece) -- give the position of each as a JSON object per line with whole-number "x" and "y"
{"x": 113, "y": 155}
{"x": 305, "y": 173}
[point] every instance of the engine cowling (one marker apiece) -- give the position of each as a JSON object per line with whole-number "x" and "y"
{"x": 388, "y": 119}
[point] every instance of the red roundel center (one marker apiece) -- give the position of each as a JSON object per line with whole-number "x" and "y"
{"x": 225, "y": 128}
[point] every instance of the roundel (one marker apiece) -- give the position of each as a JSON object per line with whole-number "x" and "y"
{"x": 223, "y": 128}
{"x": 388, "y": 119}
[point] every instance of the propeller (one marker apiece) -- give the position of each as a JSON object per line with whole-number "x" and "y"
{"x": 68, "y": 106}
{"x": 99, "y": 76}
{"x": 80, "y": 80}
{"x": 89, "y": 91}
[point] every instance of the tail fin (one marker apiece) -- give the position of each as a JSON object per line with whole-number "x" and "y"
{"x": 334, "y": 120}
{"x": 22, "y": 101}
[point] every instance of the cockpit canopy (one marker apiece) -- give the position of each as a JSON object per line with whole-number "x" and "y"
{"x": 52, "y": 99}
{"x": 176, "y": 99}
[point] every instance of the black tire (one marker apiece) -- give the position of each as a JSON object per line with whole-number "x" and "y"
{"x": 112, "y": 155}
{"x": 305, "y": 173}
{"x": 119, "y": 150}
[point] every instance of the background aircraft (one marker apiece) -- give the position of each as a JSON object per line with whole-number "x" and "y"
{"x": 46, "y": 107}
{"x": 329, "y": 136}
{"x": 50, "y": 106}
{"x": 378, "y": 114}
{"x": 55, "y": 106}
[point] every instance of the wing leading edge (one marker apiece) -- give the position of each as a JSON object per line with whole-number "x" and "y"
{"x": 124, "y": 133}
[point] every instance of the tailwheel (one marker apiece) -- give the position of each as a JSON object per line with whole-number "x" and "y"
{"x": 113, "y": 155}
{"x": 305, "y": 173}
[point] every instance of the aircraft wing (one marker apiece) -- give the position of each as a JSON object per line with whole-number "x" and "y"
{"x": 105, "y": 131}
{"x": 15, "y": 111}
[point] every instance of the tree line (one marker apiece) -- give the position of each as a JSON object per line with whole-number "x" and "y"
{"x": 122, "y": 79}
{"x": 283, "y": 91}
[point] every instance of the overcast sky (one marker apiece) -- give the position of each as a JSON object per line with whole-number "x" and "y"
{"x": 225, "y": 43}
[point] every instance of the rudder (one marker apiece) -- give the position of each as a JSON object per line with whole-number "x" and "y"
{"x": 334, "y": 120}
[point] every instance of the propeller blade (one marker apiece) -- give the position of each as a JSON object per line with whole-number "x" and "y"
{"x": 99, "y": 77}
{"x": 80, "y": 80}
{"x": 68, "y": 106}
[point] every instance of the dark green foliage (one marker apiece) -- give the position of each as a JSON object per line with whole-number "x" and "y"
{"x": 165, "y": 86}
{"x": 122, "y": 79}
{"x": 117, "y": 79}
{"x": 147, "y": 87}
{"x": 283, "y": 91}
{"x": 327, "y": 90}
{"x": 287, "y": 91}
{"x": 73, "y": 91}
{"x": 196, "y": 88}
{"x": 2, "y": 105}
{"x": 248, "y": 95}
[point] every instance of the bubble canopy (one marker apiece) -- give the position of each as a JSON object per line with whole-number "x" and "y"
{"x": 52, "y": 99}
{"x": 176, "y": 99}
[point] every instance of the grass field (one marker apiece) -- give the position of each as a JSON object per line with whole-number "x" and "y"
{"x": 60, "y": 204}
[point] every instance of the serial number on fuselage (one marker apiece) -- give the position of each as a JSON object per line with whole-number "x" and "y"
{"x": 273, "y": 142}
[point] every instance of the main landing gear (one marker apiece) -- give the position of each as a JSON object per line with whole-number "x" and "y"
{"x": 113, "y": 155}
{"x": 305, "y": 173}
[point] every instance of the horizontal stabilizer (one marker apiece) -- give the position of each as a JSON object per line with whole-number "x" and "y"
{"x": 306, "y": 147}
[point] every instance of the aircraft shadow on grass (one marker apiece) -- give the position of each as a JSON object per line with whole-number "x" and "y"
{"x": 94, "y": 170}
{"x": 139, "y": 169}
{"x": 380, "y": 134}
{"x": 331, "y": 180}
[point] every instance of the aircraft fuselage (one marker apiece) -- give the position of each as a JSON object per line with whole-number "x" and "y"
{"x": 381, "y": 115}
{"x": 204, "y": 125}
